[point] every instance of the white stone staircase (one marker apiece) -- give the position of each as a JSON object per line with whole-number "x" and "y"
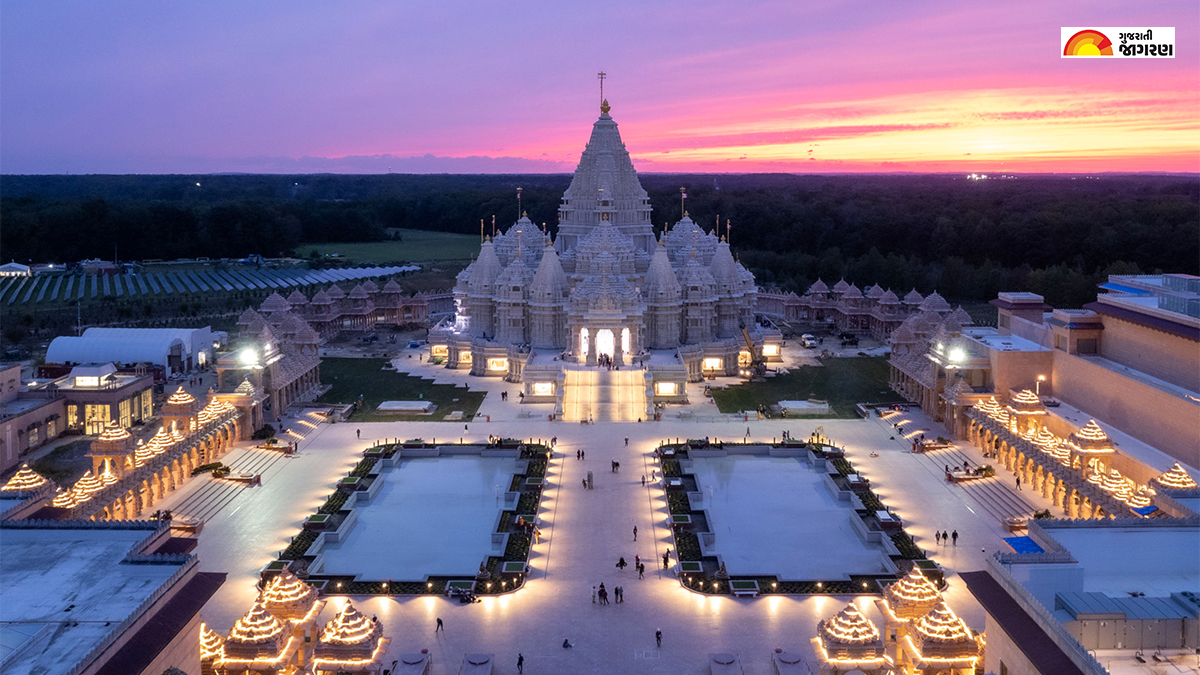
{"x": 603, "y": 395}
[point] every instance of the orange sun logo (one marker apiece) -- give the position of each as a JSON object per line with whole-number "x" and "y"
{"x": 1088, "y": 43}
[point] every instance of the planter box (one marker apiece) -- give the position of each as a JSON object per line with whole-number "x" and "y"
{"x": 465, "y": 585}
{"x": 682, "y": 519}
{"x": 857, "y": 483}
{"x": 533, "y": 483}
{"x": 691, "y": 567}
{"x": 744, "y": 587}
{"x": 316, "y": 522}
{"x": 514, "y": 567}
{"x": 674, "y": 483}
{"x": 349, "y": 484}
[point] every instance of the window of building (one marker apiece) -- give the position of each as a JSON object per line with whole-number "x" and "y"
{"x": 543, "y": 388}
{"x": 1060, "y": 342}
{"x": 666, "y": 388}
{"x": 147, "y": 404}
{"x": 33, "y": 437}
{"x": 1085, "y": 346}
{"x": 95, "y": 418}
{"x": 72, "y": 416}
{"x": 51, "y": 428}
{"x": 126, "y": 412}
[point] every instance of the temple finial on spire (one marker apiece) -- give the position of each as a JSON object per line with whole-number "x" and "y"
{"x": 603, "y": 102}
{"x": 604, "y": 107}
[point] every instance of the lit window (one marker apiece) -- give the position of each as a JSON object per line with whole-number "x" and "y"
{"x": 712, "y": 364}
{"x": 666, "y": 388}
{"x": 439, "y": 350}
{"x": 543, "y": 388}
{"x": 497, "y": 364}
{"x": 770, "y": 350}
{"x": 87, "y": 381}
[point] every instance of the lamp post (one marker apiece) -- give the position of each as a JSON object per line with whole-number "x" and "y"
{"x": 1038, "y": 385}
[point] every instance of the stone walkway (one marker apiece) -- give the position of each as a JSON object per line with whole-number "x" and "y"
{"x": 584, "y": 534}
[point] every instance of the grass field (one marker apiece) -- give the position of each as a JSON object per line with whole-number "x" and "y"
{"x": 415, "y": 246}
{"x": 843, "y": 382}
{"x": 351, "y": 378}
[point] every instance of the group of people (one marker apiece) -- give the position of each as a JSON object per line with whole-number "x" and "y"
{"x": 942, "y": 537}
{"x": 606, "y": 361}
{"x": 600, "y": 594}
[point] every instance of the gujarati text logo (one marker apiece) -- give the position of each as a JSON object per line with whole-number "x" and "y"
{"x": 1130, "y": 42}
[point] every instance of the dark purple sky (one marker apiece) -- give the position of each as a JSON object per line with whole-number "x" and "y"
{"x": 144, "y": 87}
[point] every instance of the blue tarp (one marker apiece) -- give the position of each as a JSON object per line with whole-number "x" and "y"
{"x": 1145, "y": 510}
{"x": 1023, "y": 545}
{"x": 1124, "y": 289}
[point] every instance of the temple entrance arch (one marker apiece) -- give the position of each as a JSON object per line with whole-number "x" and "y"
{"x": 605, "y": 343}
{"x": 625, "y": 341}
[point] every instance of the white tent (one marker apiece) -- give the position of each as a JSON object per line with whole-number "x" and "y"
{"x": 161, "y": 350}
{"x": 197, "y": 342}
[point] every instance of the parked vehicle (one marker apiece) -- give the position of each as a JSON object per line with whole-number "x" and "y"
{"x": 808, "y": 341}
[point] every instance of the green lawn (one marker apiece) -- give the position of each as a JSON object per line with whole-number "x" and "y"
{"x": 415, "y": 246}
{"x": 353, "y": 377}
{"x": 843, "y": 382}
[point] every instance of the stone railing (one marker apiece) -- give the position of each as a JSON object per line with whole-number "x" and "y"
{"x": 1055, "y": 630}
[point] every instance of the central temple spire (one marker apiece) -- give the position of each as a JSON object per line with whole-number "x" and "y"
{"x": 605, "y": 187}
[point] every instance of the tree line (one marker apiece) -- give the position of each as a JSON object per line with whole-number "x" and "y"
{"x": 1055, "y": 235}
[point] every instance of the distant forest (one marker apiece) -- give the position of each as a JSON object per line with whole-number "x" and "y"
{"x": 1055, "y": 235}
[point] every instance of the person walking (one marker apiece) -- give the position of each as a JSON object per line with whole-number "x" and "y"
{"x": 627, "y": 441}
{"x": 666, "y": 560}
{"x": 593, "y": 595}
{"x": 584, "y": 483}
{"x": 937, "y": 536}
{"x": 945, "y": 537}
{"x": 643, "y": 480}
{"x": 358, "y": 432}
{"x": 641, "y": 568}
{"x": 577, "y": 454}
{"x": 621, "y": 564}
{"x": 1018, "y": 482}
{"x": 520, "y": 662}
{"x": 440, "y": 626}
{"x": 635, "y": 532}
{"x": 658, "y": 637}
{"x": 583, "y": 454}
{"x": 954, "y": 537}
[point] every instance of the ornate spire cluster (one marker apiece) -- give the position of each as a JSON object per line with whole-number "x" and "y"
{"x": 1177, "y": 479}
{"x": 25, "y": 480}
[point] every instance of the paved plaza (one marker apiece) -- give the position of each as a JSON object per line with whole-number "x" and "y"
{"x": 585, "y": 532}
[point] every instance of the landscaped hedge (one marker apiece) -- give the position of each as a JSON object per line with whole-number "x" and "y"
{"x": 677, "y": 502}
{"x": 671, "y": 468}
{"x": 334, "y": 503}
{"x": 527, "y": 504}
{"x": 537, "y": 468}
{"x": 687, "y": 544}
{"x": 842, "y": 465}
{"x": 299, "y": 545}
{"x": 363, "y": 468}
{"x": 908, "y": 550}
{"x": 518, "y": 547}
{"x": 869, "y": 501}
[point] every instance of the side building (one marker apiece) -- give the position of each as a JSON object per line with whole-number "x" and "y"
{"x": 112, "y": 598}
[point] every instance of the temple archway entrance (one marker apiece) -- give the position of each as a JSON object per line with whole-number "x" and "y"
{"x": 605, "y": 343}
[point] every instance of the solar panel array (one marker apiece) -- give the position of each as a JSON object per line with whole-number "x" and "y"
{"x": 72, "y": 288}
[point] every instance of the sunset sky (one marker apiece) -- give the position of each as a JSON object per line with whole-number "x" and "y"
{"x": 486, "y": 87}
